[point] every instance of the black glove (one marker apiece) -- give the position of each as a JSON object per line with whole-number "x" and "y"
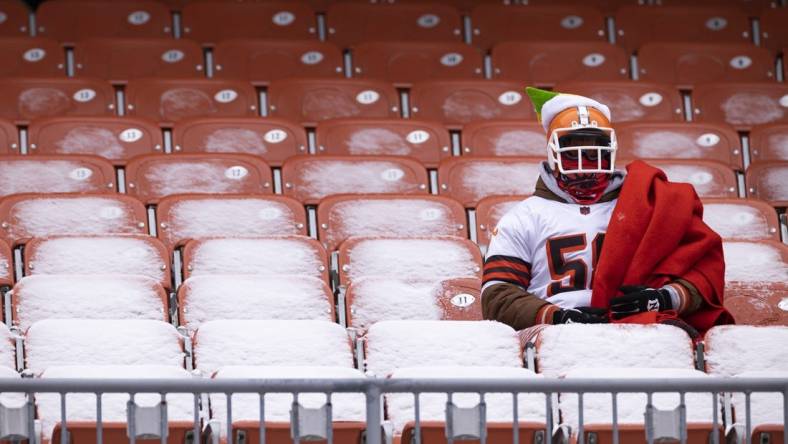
{"x": 638, "y": 299}
{"x": 580, "y": 315}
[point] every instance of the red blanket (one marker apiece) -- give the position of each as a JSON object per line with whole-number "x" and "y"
{"x": 656, "y": 235}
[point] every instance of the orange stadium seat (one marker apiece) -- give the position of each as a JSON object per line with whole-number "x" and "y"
{"x": 119, "y": 60}
{"x": 311, "y": 100}
{"x": 753, "y": 7}
{"x": 679, "y": 140}
{"x": 6, "y": 267}
{"x": 170, "y": 100}
{"x": 756, "y": 281}
{"x": 65, "y": 21}
{"x": 489, "y": 211}
{"x": 607, "y": 6}
{"x": 690, "y": 64}
{"x": 423, "y": 140}
{"x": 116, "y": 139}
{"x": 261, "y": 61}
{"x": 636, "y": 25}
{"x": 404, "y": 63}
{"x": 469, "y": 179}
{"x": 458, "y": 102}
{"x": 32, "y": 57}
{"x": 274, "y": 140}
{"x": 757, "y": 303}
{"x": 503, "y": 138}
{"x": 17, "y": 19}
{"x": 741, "y": 105}
{"x": 311, "y": 178}
{"x": 210, "y": 22}
{"x": 767, "y": 181}
{"x": 9, "y": 138}
{"x": 546, "y": 63}
{"x": 628, "y": 101}
{"x": 26, "y": 99}
{"x": 769, "y": 142}
{"x": 349, "y": 23}
{"x": 741, "y": 219}
{"x": 340, "y": 217}
{"x": 773, "y": 33}
{"x": 710, "y": 178}
{"x": 56, "y": 174}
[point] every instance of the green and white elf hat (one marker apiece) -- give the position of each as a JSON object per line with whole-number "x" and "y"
{"x": 549, "y": 104}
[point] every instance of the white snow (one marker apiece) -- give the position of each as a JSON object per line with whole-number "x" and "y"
{"x": 323, "y": 103}
{"x": 235, "y": 140}
{"x": 44, "y": 176}
{"x": 560, "y": 348}
{"x": 466, "y": 106}
{"x": 5, "y": 268}
{"x": 380, "y": 141}
{"x": 751, "y": 108}
{"x": 11, "y": 399}
{"x": 774, "y": 184}
{"x": 177, "y": 103}
{"x": 101, "y": 342}
{"x": 380, "y": 299}
{"x": 625, "y": 107}
{"x": 482, "y": 178}
{"x": 666, "y": 144}
{"x": 396, "y": 344}
{"x": 432, "y": 406}
{"x": 87, "y": 139}
{"x": 753, "y": 262}
{"x": 736, "y": 221}
{"x": 207, "y": 176}
{"x": 271, "y": 256}
{"x": 323, "y": 177}
{"x": 778, "y": 145}
{"x": 699, "y": 176}
{"x": 735, "y": 349}
{"x": 213, "y": 297}
{"x": 7, "y": 348}
{"x": 765, "y": 408}
{"x": 41, "y": 297}
{"x": 271, "y": 342}
{"x": 42, "y": 102}
{"x": 520, "y": 143}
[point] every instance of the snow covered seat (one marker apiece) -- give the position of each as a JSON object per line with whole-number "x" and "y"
{"x": 81, "y": 407}
{"x": 741, "y": 219}
{"x": 767, "y": 142}
{"x": 42, "y": 296}
{"x": 31, "y": 56}
{"x": 769, "y": 181}
{"x": 766, "y": 410}
{"x": 409, "y": 259}
{"x": 390, "y": 345}
{"x": 271, "y": 256}
{"x": 632, "y": 101}
{"x": 126, "y": 255}
{"x": 340, "y": 217}
{"x": 211, "y": 297}
{"x": 500, "y": 137}
{"x": 489, "y": 211}
{"x": 54, "y": 342}
{"x": 6, "y": 266}
{"x": 735, "y": 349}
{"x": 372, "y": 299}
{"x": 7, "y": 348}
{"x": 311, "y": 178}
{"x": 184, "y": 217}
{"x": 9, "y": 138}
{"x": 152, "y": 177}
{"x": 25, "y": 216}
{"x": 469, "y": 180}
{"x": 758, "y": 302}
{"x": 756, "y": 281}
{"x": 56, "y": 174}
{"x": 26, "y": 98}
{"x": 271, "y": 342}
{"x": 741, "y": 105}
{"x": 709, "y": 178}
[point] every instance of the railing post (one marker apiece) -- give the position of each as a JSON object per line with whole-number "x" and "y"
{"x": 373, "y": 413}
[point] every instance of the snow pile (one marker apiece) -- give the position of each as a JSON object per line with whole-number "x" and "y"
{"x": 563, "y": 347}
{"x": 272, "y": 256}
{"x": 753, "y": 262}
{"x": 272, "y": 342}
{"x": 700, "y": 177}
{"x": 44, "y": 176}
{"x": 7, "y": 348}
{"x": 98, "y": 255}
{"x": 10, "y": 399}
{"x": 736, "y": 349}
{"x": 213, "y": 297}
{"x": 396, "y": 344}
{"x": 323, "y": 177}
{"x": 381, "y": 299}
{"x": 477, "y": 178}
{"x": 432, "y": 406}
{"x": 101, "y": 342}
{"x": 765, "y": 408}
{"x": 736, "y": 221}
{"x": 170, "y": 177}
{"x": 82, "y": 406}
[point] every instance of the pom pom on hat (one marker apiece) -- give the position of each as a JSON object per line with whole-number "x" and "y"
{"x": 549, "y": 104}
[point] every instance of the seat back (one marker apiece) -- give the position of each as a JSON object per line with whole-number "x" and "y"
{"x": 468, "y": 180}
{"x": 493, "y": 138}
{"x": 27, "y": 99}
{"x": 56, "y": 174}
{"x": 741, "y": 105}
{"x": 741, "y": 219}
{"x": 632, "y": 101}
{"x": 709, "y": 178}
{"x": 9, "y": 138}
{"x": 757, "y": 303}
{"x": 6, "y": 266}
{"x": 766, "y": 181}
{"x": 768, "y": 142}
{"x": 489, "y": 211}
{"x": 32, "y": 57}
{"x": 734, "y": 349}
{"x": 755, "y": 261}
{"x": 773, "y": 34}
{"x": 7, "y": 348}
{"x": 17, "y": 22}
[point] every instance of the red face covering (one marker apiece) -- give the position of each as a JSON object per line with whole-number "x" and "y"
{"x": 585, "y": 188}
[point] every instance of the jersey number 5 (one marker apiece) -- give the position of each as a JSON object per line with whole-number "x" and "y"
{"x": 576, "y": 269}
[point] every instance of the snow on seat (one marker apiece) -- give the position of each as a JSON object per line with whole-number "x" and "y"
{"x": 25, "y": 216}
{"x": 735, "y": 349}
{"x": 391, "y": 345}
{"x": 768, "y": 181}
{"x": 53, "y": 342}
{"x": 469, "y": 180}
{"x": 183, "y": 217}
{"x": 764, "y": 261}
{"x": 137, "y": 255}
{"x": 7, "y": 347}
{"x": 211, "y": 297}
{"x": 766, "y": 409}
{"x": 272, "y": 256}
{"x": 271, "y": 342}
{"x": 40, "y": 297}
{"x": 6, "y": 267}
{"x": 56, "y": 174}
{"x": 489, "y": 211}
{"x": 501, "y": 137}
{"x": 340, "y": 217}
{"x": 709, "y": 178}
{"x": 741, "y": 219}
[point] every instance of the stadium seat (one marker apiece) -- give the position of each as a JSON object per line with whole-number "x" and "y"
{"x": 55, "y": 174}
{"x": 116, "y": 139}
{"x": 497, "y": 137}
{"x": 119, "y": 60}
{"x": 309, "y": 101}
{"x": 497, "y": 23}
{"x": 184, "y": 217}
{"x": 273, "y": 256}
{"x": 469, "y": 180}
{"x": 757, "y": 265}
{"x": 208, "y": 297}
{"x": 690, "y": 64}
{"x": 741, "y": 219}
{"x": 757, "y": 303}
{"x": 124, "y": 255}
{"x": 349, "y": 23}
{"x": 766, "y": 181}
{"x": 773, "y": 32}
{"x": 6, "y": 268}
{"x": 767, "y": 420}
{"x": 66, "y": 21}
{"x": 458, "y": 102}
{"x": 9, "y": 138}
{"x": 211, "y": 22}
{"x": 632, "y": 101}
{"x": 342, "y": 216}
{"x": 17, "y": 19}
{"x": 769, "y": 142}
{"x": 152, "y": 177}
{"x": 25, "y": 216}
{"x": 713, "y": 24}
{"x": 311, "y": 178}
{"x": 543, "y": 63}
{"x": 752, "y": 7}
{"x": 404, "y": 63}
{"x": 32, "y": 57}
{"x": 741, "y": 105}
{"x": 26, "y": 99}
{"x": 169, "y": 100}
{"x": 261, "y": 61}
{"x": 710, "y": 179}
{"x": 423, "y": 140}
{"x": 40, "y": 297}
{"x": 489, "y": 211}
